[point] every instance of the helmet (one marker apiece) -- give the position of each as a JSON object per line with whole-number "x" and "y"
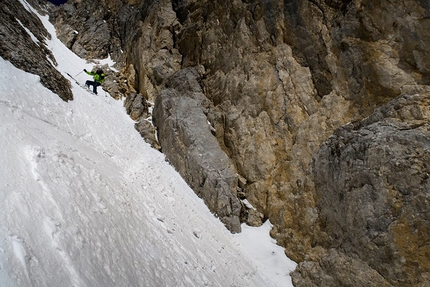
{"x": 99, "y": 71}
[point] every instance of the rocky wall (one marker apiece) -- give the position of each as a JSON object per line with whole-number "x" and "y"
{"x": 372, "y": 194}
{"x": 276, "y": 80}
{"x": 189, "y": 145}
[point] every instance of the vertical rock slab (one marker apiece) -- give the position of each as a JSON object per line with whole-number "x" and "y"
{"x": 186, "y": 139}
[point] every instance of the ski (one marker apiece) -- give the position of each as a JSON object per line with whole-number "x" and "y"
{"x": 82, "y": 86}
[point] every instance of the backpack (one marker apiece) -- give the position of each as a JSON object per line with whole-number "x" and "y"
{"x": 101, "y": 75}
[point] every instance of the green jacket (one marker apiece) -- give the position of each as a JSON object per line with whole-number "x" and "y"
{"x": 100, "y": 78}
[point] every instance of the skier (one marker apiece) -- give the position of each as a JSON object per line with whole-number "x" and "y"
{"x": 99, "y": 78}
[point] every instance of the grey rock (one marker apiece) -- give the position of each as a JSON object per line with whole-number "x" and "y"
{"x": 147, "y": 131}
{"x": 33, "y": 56}
{"x": 337, "y": 269}
{"x": 94, "y": 42}
{"x": 372, "y": 192}
{"x": 86, "y": 27}
{"x": 254, "y": 218}
{"x": 137, "y": 107}
{"x": 186, "y": 139}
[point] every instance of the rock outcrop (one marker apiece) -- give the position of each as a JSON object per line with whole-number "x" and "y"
{"x": 188, "y": 142}
{"x": 372, "y": 194}
{"x": 138, "y": 108}
{"x": 22, "y": 42}
{"x": 278, "y": 82}
{"x": 88, "y": 16}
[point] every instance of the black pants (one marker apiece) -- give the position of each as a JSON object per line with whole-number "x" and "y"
{"x": 94, "y": 84}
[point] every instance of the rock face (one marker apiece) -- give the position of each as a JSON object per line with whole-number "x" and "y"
{"x": 278, "y": 82}
{"x": 22, "y": 42}
{"x": 89, "y": 17}
{"x": 189, "y": 144}
{"x": 138, "y": 109}
{"x": 372, "y": 193}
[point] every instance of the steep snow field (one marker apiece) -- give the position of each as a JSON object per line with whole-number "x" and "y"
{"x": 84, "y": 201}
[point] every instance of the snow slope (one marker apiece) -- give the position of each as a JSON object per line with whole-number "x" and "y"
{"x": 84, "y": 201}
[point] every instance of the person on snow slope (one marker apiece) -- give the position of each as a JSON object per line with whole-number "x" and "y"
{"x": 99, "y": 78}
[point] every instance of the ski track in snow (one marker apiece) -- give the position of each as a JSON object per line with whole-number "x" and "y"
{"x": 86, "y": 202}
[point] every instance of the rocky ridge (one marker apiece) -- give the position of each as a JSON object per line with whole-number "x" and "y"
{"x": 22, "y": 42}
{"x": 314, "y": 111}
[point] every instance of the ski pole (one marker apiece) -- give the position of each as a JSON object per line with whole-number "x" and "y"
{"x": 73, "y": 78}
{"x": 79, "y": 73}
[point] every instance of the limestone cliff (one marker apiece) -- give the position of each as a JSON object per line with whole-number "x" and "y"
{"x": 253, "y": 99}
{"x": 371, "y": 187}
